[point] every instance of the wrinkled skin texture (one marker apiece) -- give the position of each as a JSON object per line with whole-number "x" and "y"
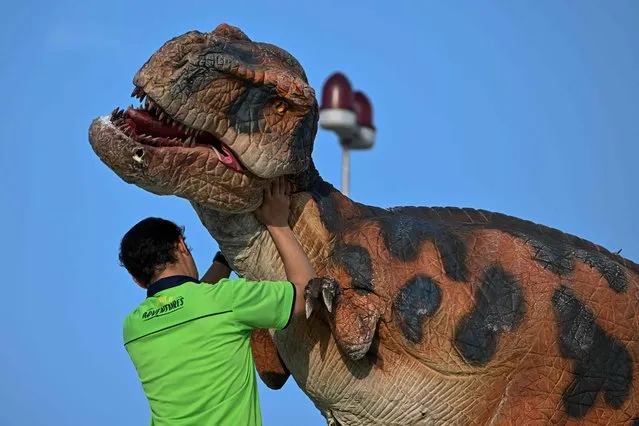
{"x": 420, "y": 315}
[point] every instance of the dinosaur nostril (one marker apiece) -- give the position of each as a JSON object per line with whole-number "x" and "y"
{"x": 137, "y": 155}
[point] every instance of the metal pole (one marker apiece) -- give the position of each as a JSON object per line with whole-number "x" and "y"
{"x": 346, "y": 165}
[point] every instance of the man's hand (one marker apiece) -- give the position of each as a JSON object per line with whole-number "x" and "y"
{"x": 276, "y": 203}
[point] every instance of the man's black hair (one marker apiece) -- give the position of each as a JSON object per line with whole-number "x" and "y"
{"x": 149, "y": 246}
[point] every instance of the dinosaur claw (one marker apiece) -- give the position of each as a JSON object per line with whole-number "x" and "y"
{"x": 309, "y": 308}
{"x": 330, "y": 288}
{"x": 327, "y": 287}
{"x": 311, "y": 292}
{"x": 328, "y": 295}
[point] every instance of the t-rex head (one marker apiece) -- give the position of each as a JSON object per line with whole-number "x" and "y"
{"x": 220, "y": 116}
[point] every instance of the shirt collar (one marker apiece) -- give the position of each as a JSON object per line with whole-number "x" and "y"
{"x": 168, "y": 282}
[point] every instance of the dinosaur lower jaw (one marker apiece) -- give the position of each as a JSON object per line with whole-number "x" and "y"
{"x": 150, "y": 125}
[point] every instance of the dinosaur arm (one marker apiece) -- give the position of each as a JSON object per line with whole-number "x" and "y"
{"x": 347, "y": 292}
{"x": 268, "y": 363}
{"x": 352, "y": 316}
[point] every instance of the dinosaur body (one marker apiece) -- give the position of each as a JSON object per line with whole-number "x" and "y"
{"x": 462, "y": 317}
{"x": 421, "y": 315}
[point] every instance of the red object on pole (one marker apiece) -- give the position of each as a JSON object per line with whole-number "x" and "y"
{"x": 350, "y": 116}
{"x": 337, "y": 93}
{"x": 363, "y": 109}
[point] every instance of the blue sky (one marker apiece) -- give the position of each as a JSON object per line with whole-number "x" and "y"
{"x": 526, "y": 108}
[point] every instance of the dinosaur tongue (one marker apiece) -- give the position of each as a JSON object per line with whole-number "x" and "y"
{"x": 226, "y": 156}
{"x": 160, "y": 133}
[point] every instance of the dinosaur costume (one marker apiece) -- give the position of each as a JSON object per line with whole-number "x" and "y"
{"x": 421, "y": 315}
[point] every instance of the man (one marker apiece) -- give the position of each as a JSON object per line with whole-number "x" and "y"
{"x": 190, "y": 341}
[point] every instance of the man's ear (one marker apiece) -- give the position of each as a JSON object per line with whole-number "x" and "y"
{"x": 182, "y": 248}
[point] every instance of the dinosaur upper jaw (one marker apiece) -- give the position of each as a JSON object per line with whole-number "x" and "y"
{"x": 151, "y": 125}
{"x": 145, "y": 147}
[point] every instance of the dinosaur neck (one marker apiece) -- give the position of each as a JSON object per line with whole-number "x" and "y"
{"x": 315, "y": 209}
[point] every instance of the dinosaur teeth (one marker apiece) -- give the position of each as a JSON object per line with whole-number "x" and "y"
{"x": 138, "y": 93}
{"x": 191, "y": 131}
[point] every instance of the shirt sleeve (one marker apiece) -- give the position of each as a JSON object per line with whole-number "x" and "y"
{"x": 263, "y": 304}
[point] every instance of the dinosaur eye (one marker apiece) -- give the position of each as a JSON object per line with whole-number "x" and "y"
{"x": 280, "y": 106}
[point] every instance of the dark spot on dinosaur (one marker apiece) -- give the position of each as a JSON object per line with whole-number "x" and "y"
{"x": 549, "y": 253}
{"x": 246, "y": 110}
{"x": 357, "y": 262}
{"x": 635, "y": 421}
{"x": 403, "y": 235}
{"x": 328, "y": 209}
{"x": 197, "y": 73}
{"x": 559, "y": 257}
{"x": 302, "y": 138}
{"x": 417, "y": 300}
{"x": 243, "y": 53}
{"x": 192, "y": 79}
{"x": 499, "y": 306}
{"x": 612, "y": 271}
{"x": 222, "y": 54}
{"x": 602, "y": 363}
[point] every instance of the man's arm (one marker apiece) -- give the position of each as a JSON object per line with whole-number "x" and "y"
{"x": 299, "y": 270}
{"x": 274, "y": 214}
{"x": 219, "y": 269}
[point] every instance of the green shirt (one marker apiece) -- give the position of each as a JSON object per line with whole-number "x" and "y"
{"x": 190, "y": 344}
